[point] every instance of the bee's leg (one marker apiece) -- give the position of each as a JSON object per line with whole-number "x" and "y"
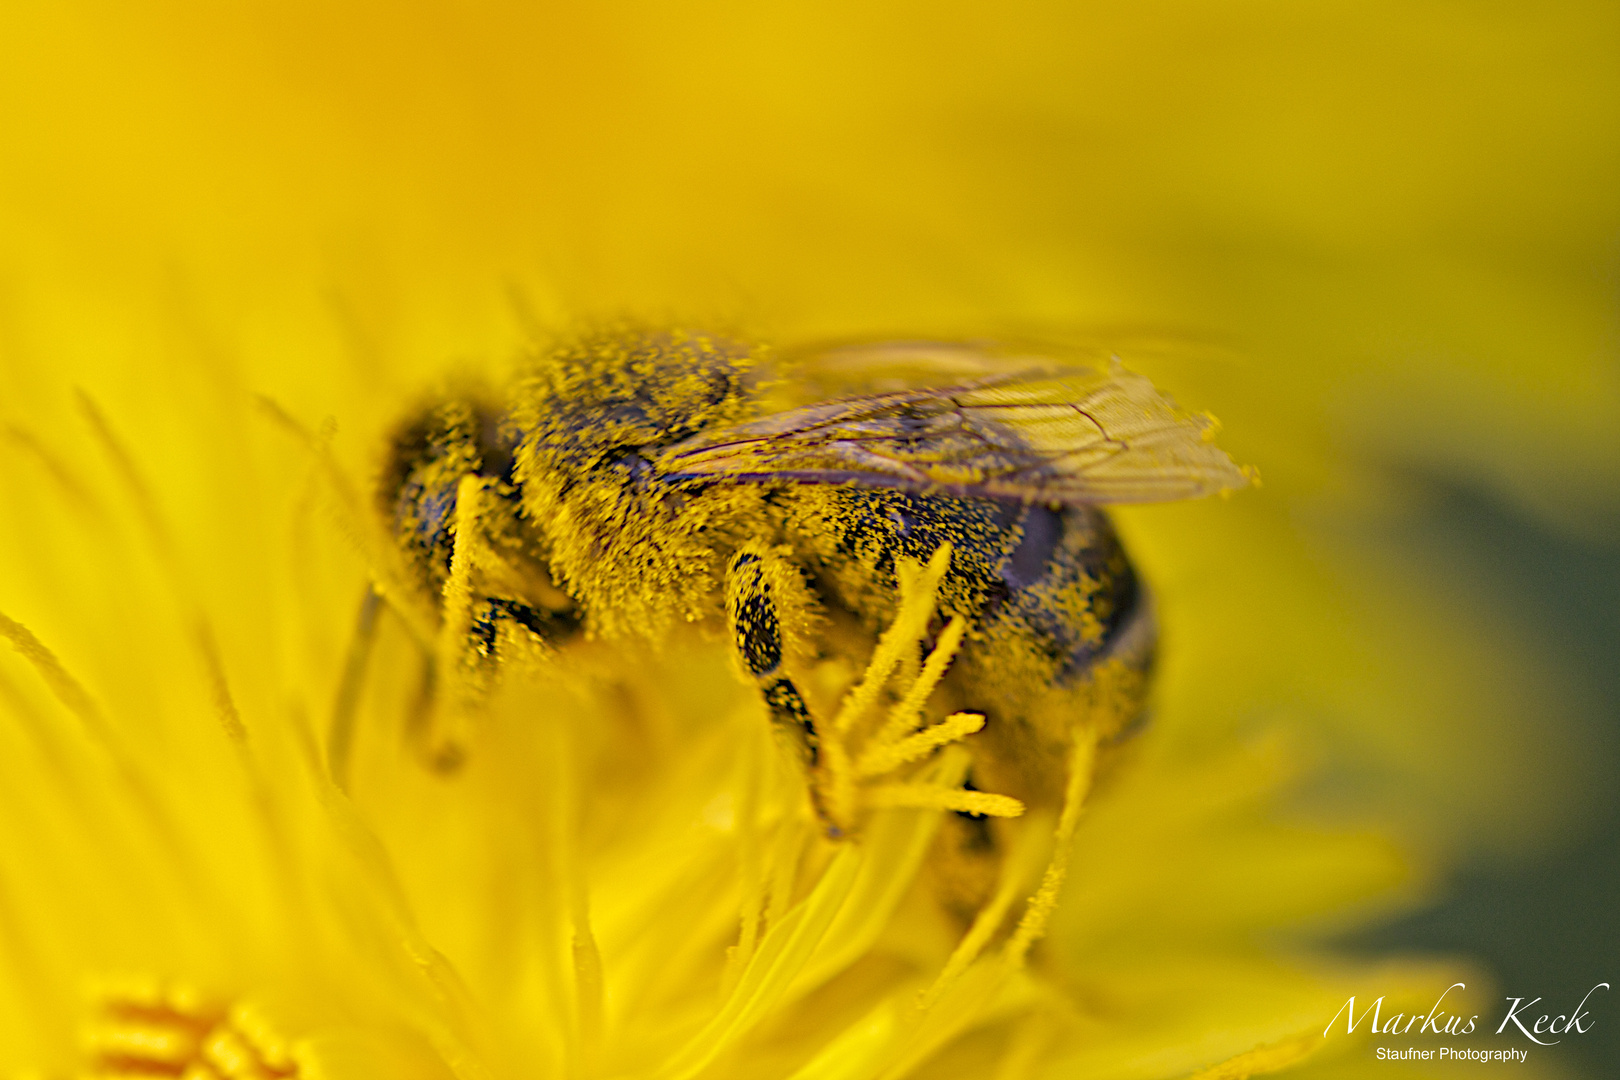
{"x": 753, "y": 609}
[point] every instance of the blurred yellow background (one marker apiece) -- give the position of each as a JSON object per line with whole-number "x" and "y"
{"x": 1388, "y": 230}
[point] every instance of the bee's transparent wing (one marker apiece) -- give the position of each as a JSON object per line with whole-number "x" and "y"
{"x": 1063, "y": 436}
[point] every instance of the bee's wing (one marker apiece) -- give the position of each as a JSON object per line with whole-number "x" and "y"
{"x": 1066, "y": 436}
{"x": 823, "y": 371}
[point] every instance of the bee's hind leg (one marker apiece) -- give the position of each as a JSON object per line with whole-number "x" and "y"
{"x": 759, "y": 586}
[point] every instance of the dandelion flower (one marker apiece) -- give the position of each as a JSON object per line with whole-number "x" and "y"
{"x": 228, "y": 845}
{"x": 622, "y": 877}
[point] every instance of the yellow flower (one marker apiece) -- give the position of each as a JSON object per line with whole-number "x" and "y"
{"x": 338, "y": 207}
{"x": 623, "y": 879}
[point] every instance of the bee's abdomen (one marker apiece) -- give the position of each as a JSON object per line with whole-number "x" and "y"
{"x": 1071, "y": 590}
{"x": 1066, "y": 643}
{"x": 1047, "y": 592}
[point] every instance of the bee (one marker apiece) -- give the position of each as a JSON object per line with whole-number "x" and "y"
{"x": 637, "y": 479}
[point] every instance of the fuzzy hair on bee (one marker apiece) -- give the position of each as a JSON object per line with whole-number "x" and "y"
{"x": 639, "y": 479}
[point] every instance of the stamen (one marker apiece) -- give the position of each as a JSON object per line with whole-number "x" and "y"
{"x": 1041, "y": 905}
{"x": 62, "y": 685}
{"x": 340, "y": 733}
{"x": 450, "y": 714}
{"x": 933, "y": 797}
{"x": 458, "y": 593}
{"x": 157, "y": 529}
{"x": 142, "y": 1027}
{"x": 1016, "y": 870}
{"x": 841, "y": 791}
{"x": 381, "y": 555}
{"x": 881, "y": 758}
{"x": 904, "y": 714}
{"x": 1263, "y": 1059}
{"x": 73, "y": 696}
{"x": 66, "y": 481}
{"x": 750, "y": 845}
{"x": 916, "y": 607}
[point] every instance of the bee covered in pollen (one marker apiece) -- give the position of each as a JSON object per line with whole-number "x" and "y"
{"x": 637, "y": 479}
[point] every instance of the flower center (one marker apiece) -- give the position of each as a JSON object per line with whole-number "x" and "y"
{"x": 151, "y": 1028}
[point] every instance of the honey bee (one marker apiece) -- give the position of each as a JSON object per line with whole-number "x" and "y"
{"x": 637, "y": 479}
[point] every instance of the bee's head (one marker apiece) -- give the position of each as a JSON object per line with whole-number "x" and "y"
{"x": 428, "y": 455}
